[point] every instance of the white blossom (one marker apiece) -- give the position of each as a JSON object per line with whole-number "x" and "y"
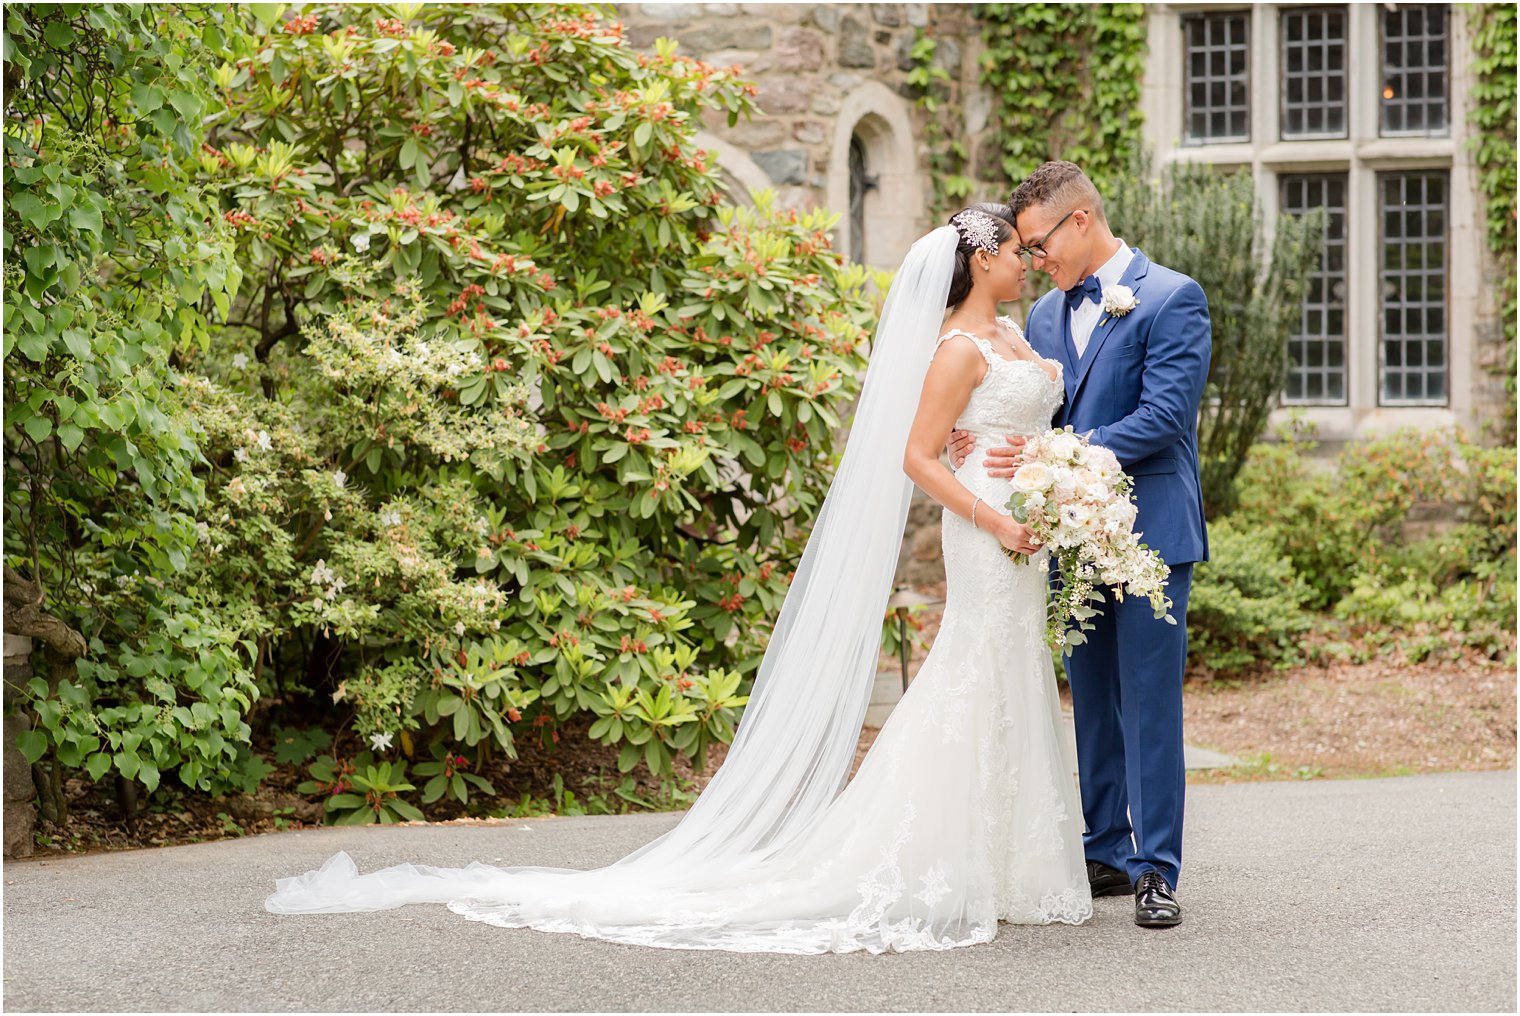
{"x": 1119, "y": 300}
{"x": 264, "y": 443}
{"x": 361, "y": 242}
{"x": 1032, "y": 476}
{"x": 380, "y": 742}
{"x": 339, "y": 478}
{"x": 240, "y": 361}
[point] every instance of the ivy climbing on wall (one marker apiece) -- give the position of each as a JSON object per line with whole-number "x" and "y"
{"x": 933, "y": 90}
{"x": 1493, "y": 117}
{"x": 1065, "y": 83}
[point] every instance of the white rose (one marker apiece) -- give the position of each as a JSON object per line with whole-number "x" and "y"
{"x": 1032, "y": 476}
{"x": 1119, "y": 300}
{"x": 1065, "y": 446}
{"x": 1100, "y": 493}
{"x": 1122, "y": 512}
{"x": 1102, "y": 459}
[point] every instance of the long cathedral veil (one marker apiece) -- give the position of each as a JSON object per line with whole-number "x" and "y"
{"x": 797, "y": 737}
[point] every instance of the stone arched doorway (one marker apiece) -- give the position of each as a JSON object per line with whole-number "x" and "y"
{"x": 873, "y": 179}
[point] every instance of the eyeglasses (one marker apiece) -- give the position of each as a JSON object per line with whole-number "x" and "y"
{"x": 1030, "y": 251}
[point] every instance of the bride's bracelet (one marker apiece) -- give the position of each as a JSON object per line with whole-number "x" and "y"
{"x": 973, "y": 512}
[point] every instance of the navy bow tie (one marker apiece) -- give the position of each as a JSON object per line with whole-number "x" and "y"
{"x": 1088, "y": 289}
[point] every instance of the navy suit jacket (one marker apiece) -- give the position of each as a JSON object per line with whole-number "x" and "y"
{"x": 1137, "y": 391}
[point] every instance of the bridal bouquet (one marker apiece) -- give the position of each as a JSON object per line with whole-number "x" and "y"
{"x": 1075, "y": 498}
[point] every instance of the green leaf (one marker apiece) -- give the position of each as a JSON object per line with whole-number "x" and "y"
{"x": 97, "y": 765}
{"x": 642, "y": 133}
{"x": 32, "y": 744}
{"x": 58, "y": 34}
{"x": 165, "y": 120}
{"x": 267, "y": 14}
{"x": 70, "y": 435}
{"x": 146, "y": 98}
{"x": 187, "y": 104}
{"x": 128, "y": 763}
{"x": 37, "y": 427}
{"x": 41, "y": 259}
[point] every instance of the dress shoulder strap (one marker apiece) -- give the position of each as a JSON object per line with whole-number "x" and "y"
{"x": 981, "y": 343}
{"x": 1010, "y": 323}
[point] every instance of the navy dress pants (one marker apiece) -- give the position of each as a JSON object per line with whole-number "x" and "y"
{"x": 1126, "y": 690}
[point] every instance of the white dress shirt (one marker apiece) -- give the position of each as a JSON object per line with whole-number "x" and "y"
{"x": 1085, "y": 318}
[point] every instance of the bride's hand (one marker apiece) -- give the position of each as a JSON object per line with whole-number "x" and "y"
{"x": 1015, "y": 536}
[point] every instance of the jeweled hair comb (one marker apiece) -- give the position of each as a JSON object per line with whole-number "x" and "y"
{"x": 977, "y": 228}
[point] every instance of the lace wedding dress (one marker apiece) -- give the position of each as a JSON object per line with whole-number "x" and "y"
{"x": 964, "y": 813}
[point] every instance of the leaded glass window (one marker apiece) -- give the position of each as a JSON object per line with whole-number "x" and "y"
{"x": 1314, "y": 72}
{"x": 1317, "y": 348}
{"x": 1415, "y": 82}
{"x": 1412, "y": 277}
{"x": 1217, "y": 85}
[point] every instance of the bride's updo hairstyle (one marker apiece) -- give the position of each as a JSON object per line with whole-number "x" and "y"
{"x": 986, "y": 226}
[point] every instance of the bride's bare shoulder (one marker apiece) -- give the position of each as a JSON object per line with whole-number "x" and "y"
{"x": 956, "y": 351}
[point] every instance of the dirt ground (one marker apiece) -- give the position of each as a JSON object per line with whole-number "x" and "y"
{"x": 1385, "y": 717}
{"x": 1382, "y": 717}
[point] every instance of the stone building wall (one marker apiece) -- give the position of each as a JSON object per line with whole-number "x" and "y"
{"x": 830, "y": 73}
{"x": 827, "y": 74}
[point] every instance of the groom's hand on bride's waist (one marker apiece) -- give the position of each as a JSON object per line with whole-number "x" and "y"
{"x": 1003, "y": 460}
{"x": 959, "y": 447}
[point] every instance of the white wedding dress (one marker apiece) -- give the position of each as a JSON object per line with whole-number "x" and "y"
{"x": 964, "y": 813}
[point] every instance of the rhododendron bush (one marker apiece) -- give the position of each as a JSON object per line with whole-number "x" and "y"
{"x": 515, "y": 416}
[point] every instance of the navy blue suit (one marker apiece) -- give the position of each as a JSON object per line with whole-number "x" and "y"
{"x": 1136, "y": 391}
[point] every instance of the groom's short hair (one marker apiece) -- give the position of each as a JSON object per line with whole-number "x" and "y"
{"x": 1059, "y": 186}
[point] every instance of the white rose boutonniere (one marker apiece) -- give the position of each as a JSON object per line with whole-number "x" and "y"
{"x": 1117, "y": 302}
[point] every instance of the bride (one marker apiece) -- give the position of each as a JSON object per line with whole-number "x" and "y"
{"x": 965, "y": 812}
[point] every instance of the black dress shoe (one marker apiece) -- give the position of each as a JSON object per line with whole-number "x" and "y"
{"x": 1106, "y": 881}
{"x": 1155, "y": 906}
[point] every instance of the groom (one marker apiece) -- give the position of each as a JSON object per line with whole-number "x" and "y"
{"x": 1134, "y": 342}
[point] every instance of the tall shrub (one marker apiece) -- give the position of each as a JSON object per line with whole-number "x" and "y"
{"x": 516, "y": 418}
{"x": 115, "y": 266}
{"x": 1209, "y": 225}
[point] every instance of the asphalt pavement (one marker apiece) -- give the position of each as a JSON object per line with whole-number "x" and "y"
{"x": 1368, "y": 895}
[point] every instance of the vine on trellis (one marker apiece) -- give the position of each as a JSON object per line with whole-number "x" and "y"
{"x": 1493, "y": 116}
{"x": 1065, "y": 80}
